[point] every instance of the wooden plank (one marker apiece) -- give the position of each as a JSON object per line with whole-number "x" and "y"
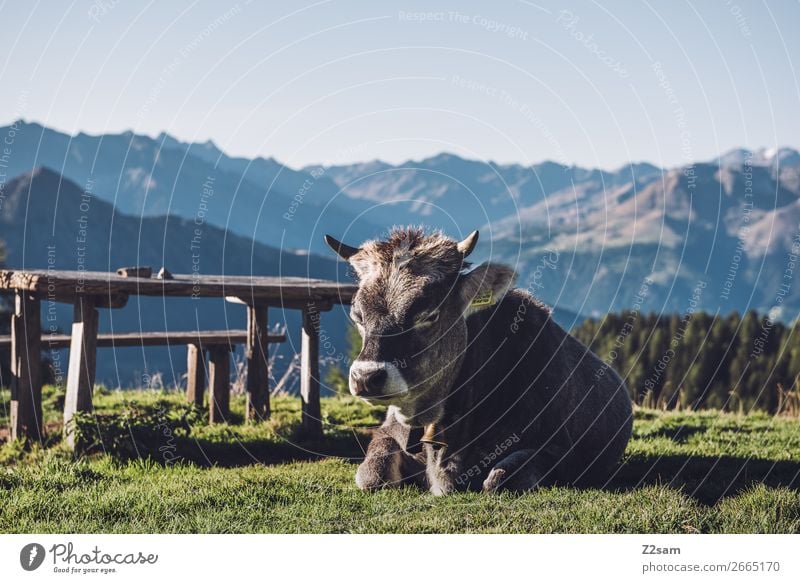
{"x": 219, "y": 388}
{"x": 257, "y": 354}
{"x": 196, "y": 374}
{"x": 138, "y": 271}
{"x": 26, "y": 369}
{"x": 113, "y": 300}
{"x": 322, "y": 305}
{"x": 223, "y": 338}
{"x": 309, "y": 373}
{"x": 82, "y": 363}
{"x": 138, "y": 339}
{"x": 272, "y": 290}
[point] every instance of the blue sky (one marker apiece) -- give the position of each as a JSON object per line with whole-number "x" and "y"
{"x": 578, "y": 82}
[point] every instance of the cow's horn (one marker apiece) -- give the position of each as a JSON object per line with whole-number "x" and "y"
{"x": 343, "y": 250}
{"x": 467, "y": 245}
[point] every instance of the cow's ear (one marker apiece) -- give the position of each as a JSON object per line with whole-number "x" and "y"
{"x": 484, "y": 286}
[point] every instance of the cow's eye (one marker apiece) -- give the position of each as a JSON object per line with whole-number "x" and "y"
{"x": 428, "y": 318}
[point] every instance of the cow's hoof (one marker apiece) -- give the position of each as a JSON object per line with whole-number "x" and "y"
{"x": 494, "y": 480}
{"x": 368, "y": 483}
{"x": 440, "y": 490}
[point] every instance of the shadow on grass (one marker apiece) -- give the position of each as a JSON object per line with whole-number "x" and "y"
{"x": 183, "y": 435}
{"x": 234, "y": 450}
{"x": 705, "y": 478}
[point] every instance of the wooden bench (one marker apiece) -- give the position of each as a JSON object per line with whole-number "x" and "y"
{"x": 217, "y": 343}
{"x": 89, "y": 291}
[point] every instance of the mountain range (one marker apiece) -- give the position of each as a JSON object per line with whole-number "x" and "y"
{"x": 728, "y": 227}
{"x": 144, "y": 176}
{"x": 718, "y": 235}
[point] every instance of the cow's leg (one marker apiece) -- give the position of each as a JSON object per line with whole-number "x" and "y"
{"x": 386, "y": 465}
{"x": 442, "y": 473}
{"x": 518, "y": 472}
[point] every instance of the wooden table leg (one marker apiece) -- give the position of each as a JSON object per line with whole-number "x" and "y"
{"x": 309, "y": 373}
{"x": 219, "y": 385}
{"x": 196, "y": 378}
{"x": 257, "y": 353}
{"x": 82, "y": 363}
{"x": 26, "y": 369}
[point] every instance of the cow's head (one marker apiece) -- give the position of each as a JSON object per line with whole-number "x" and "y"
{"x": 413, "y": 299}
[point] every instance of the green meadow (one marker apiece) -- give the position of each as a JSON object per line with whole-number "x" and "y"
{"x": 149, "y": 463}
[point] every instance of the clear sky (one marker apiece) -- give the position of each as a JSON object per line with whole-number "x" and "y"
{"x": 595, "y": 84}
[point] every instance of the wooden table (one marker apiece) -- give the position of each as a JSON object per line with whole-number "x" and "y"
{"x": 88, "y": 291}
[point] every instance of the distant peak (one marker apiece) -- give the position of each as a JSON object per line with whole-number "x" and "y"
{"x": 207, "y": 147}
{"x": 638, "y": 168}
{"x": 41, "y": 172}
{"x": 552, "y": 164}
{"x": 444, "y": 157}
{"x": 23, "y": 124}
{"x": 770, "y": 156}
{"x": 41, "y": 177}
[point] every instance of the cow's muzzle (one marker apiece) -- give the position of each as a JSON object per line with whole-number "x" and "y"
{"x": 376, "y": 381}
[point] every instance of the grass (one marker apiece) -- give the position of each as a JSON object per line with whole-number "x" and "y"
{"x": 683, "y": 472}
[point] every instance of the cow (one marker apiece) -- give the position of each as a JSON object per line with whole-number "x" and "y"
{"x": 484, "y": 390}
